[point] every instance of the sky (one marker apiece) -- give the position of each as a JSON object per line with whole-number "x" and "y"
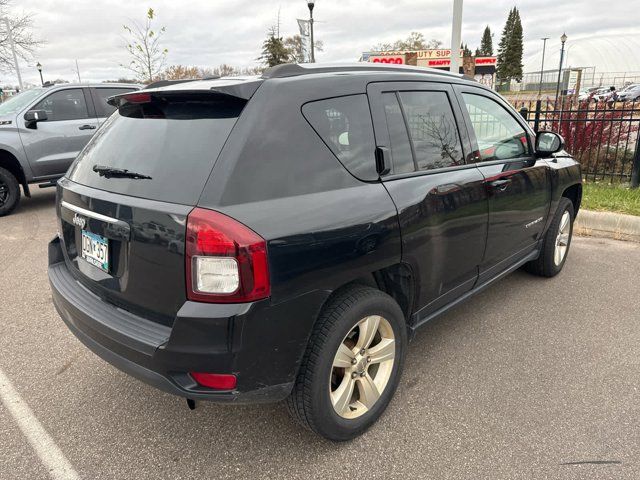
{"x": 207, "y": 33}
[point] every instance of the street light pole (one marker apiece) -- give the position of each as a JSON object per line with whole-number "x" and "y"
{"x": 311, "y": 4}
{"x": 13, "y": 50}
{"x": 544, "y": 47}
{"x": 456, "y": 36}
{"x": 563, "y": 39}
{"x": 39, "y": 67}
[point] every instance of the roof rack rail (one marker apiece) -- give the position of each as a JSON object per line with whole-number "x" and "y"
{"x": 294, "y": 70}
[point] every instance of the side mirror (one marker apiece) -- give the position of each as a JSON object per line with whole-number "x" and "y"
{"x": 548, "y": 143}
{"x": 32, "y": 117}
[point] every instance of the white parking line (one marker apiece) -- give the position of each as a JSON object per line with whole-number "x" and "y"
{"x": 46, "y": 449}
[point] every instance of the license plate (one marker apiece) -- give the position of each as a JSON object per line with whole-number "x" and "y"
{"x": 95, "y": 250}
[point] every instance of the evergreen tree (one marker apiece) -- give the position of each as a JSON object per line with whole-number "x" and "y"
{"x": 510, "y": 48}
{"x": 514, "y": 56}
{"x": 466, "y": 52}
{"x": 486, "y": 44}
{"x": 503, "y": 68}
{"x": 274, "y": 52}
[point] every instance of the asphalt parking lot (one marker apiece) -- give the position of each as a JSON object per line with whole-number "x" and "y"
{"x": 532, "y": 379}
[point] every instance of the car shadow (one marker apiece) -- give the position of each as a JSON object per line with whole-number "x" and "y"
{"x": 41, "y": 199}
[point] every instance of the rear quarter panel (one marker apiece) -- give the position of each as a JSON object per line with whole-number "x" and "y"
{"x": 323, "y": 227}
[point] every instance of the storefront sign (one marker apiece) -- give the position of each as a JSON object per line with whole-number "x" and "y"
{"x": 394, "y": 59}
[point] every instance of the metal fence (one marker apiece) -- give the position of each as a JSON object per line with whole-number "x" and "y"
{"x": 548, "y": 80}
{"x": 603, "y": 137}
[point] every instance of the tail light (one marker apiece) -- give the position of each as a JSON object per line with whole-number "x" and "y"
{"x": 137, "y": 97}
{"x": 226, "y": 262}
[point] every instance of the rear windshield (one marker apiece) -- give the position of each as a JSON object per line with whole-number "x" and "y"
{"x": 175, "y": 140}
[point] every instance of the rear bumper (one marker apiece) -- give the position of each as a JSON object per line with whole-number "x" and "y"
{"x": 261, "y": 344}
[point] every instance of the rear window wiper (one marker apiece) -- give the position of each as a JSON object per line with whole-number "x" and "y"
{"x": 112, "y": 172}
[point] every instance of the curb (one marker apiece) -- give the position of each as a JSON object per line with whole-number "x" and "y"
{"x": 608, "y": 224}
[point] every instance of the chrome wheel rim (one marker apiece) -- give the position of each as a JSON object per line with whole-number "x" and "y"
{"x": 562, "y": 240}
{"x": 362, "y": 367}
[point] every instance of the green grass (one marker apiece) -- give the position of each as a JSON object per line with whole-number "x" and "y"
{"x": 611, "y": 198}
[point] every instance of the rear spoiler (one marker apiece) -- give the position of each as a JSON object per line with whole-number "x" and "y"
{"x": 234, "y": 88}
{"x": 164, "y": 83}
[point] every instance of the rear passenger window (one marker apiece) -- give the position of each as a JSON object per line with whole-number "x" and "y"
{"x": 401, "y": 155}
{"x": 499, "y": 135}
{"x": 433, "y": 129}
{"x": 344, "y": 124}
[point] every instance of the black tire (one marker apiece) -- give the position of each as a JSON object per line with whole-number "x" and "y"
{"x": 310, "y": 401}
{"x": 9, "y": 192}
{"x": 545, "y": 265}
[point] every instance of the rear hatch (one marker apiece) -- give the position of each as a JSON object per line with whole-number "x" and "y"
{"x": 124, "y": 202}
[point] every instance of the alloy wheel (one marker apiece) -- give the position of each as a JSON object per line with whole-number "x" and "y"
{"x": 362, "y": 367}
{"x": 562, "y": 240}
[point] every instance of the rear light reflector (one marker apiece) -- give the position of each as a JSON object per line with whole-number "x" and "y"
{"x": 217, "y": 381}
{"x": 226, "y": 262}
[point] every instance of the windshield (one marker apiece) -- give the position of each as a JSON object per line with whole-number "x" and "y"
{"x": 170, "y": 143}
{"x": 18, "y": 102}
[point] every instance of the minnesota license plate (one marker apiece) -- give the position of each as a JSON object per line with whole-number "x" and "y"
{"x": 95, "y": 250}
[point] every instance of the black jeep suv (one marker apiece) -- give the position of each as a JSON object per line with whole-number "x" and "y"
{"x": 282, "y": 237}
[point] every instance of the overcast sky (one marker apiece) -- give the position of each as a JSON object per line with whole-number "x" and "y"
{"x": 211, "y": 32}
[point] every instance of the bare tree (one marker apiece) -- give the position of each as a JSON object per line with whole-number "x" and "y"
{"x": 23, "y": 39}
{"x": 147, "y": 56}
{"x": 415, "y": 41}
{"x": 296, "y": 49}
{"x": 181, "y": 72}
{"x": 224, "y": 70}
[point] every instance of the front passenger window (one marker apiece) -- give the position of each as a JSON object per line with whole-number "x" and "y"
{"x": 499, "y": 135}
{"x": 64, "y": 105}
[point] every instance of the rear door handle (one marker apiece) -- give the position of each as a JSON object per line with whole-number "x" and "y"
{"x": 87, "y": 127}
{"x": 500, "y": 184}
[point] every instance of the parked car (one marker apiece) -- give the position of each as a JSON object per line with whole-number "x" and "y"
{"x": 603, "y": 94}
{"x": 630, "y": 93}
{"x": 321, "y": 215}
{"x": 43, "y": 129}
{"x": 586, "y": 94}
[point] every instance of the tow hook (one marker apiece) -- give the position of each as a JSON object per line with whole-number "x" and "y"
{"x": 191, "y": 403}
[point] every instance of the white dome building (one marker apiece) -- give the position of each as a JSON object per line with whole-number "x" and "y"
{"x": 606, "y": 59}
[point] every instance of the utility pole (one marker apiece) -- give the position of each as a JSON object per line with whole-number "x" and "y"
{"x": 78, "y": 71}
{"x": 544, "y": 47}
{"x": 13, "y": 50}
{"x": 456, "y": 36}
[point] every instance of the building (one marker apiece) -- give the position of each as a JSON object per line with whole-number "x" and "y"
{"x": 483, "y": 69}
{"x": 605, "y": 61}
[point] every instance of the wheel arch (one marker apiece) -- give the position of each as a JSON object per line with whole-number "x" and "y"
{"x": 9, "y": 162}
{"x": 396, "y": 280}
{"x": 574, "y": 193}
